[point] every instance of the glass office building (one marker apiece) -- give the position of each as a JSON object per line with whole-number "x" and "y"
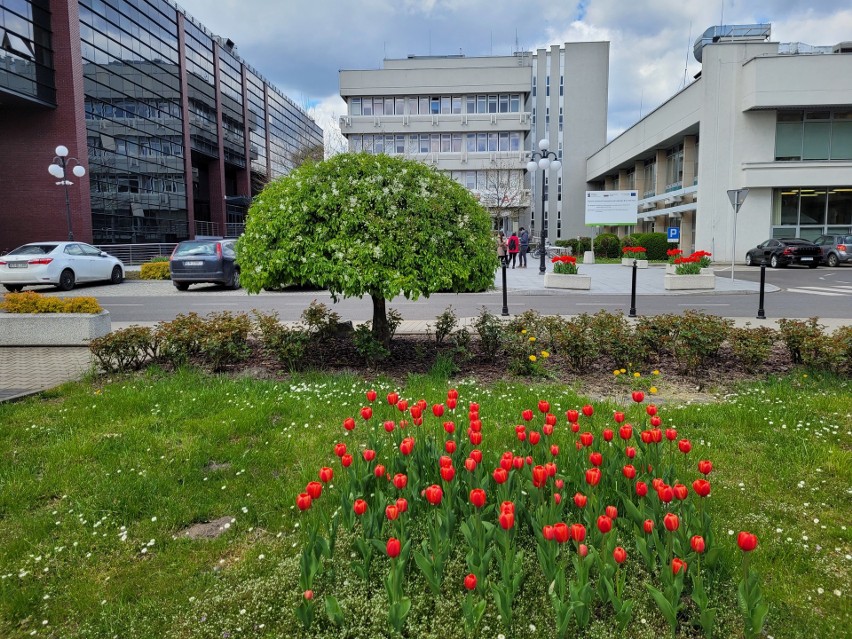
{"x": 176, "y": 131}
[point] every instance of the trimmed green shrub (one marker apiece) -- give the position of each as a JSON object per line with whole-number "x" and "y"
{"x": 490, "y": 330}
{"x": 32, "y": 302}
{"x": 752, "y": 346}
{"x": 287, "y": 345}
{"x": 158, "y": 270}
{"x": 656, "y": 244}
{"x": 607, "y": 245}
{"x": 630, "y": 240}
{"x": 698, "y": 338}
{"x": 125, "y": 349}
{"x": 807, "y": 342}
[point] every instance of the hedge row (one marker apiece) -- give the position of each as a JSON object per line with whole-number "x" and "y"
{"x": 32, "y": 302}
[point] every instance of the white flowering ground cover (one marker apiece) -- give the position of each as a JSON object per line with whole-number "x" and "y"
{"x": 99, "y": 480}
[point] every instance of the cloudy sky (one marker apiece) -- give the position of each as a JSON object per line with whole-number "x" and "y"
{"x": 300, "y": 45}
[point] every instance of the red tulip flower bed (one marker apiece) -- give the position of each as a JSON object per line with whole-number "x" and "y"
{"x": 593, "y": 496}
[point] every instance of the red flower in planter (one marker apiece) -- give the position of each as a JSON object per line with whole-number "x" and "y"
{"x": 701, "y": 487}
{"x": 326, "y": 474}
{"x": 604, "y": 524}
{"x": 697, "y": 543}
{"x": 360, "y": 507}
{"x": 314, "y": 489}
{"x": 470, "y": 582}
{"x": 572, "y": 415}
{"x": 705, "y": 466}
{"x": 371, "y": 395}
{"x": 434, "y": 494}
{"x": 393, "y": 398}
{"x": 393, "y": 547}
{"x": 477, "y": 497}
{"x": 561, "y": 532}
{"x": 619, "y": 554}
{"x": 671, "y": 522}
{"x": 400, "y": 481}
{"x": 303, "y": 501}
{"x": 747, "y": 541}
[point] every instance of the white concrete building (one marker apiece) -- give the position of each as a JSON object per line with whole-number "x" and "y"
{"x": 773, "y": 118}
{"x": 478, "y": 120}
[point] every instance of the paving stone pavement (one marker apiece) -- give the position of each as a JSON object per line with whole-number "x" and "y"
{"x": 29, "y": 369}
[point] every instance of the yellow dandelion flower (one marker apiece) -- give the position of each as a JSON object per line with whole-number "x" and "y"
{"x": 532, "y": 338}
{"x": 653, "y": 390}
{"x": 805, "y": 375}
{"x": 533, "y": 358}
{"x": 636, "y": 375}
{"x": 622, "y": 370}
{"x": 524, "y": 331}
{"x": 545, "y": 354}
{"x": 655, "y": 372}
{"x": 616, "y": 372}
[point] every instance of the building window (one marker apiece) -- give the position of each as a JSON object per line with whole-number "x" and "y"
{"x": 446, "y": 107}
{"x": 412, "y": 106}
{"x": 504, "y": 103}
{"x": 457, "y": 104}
{"x": 435, "y": 106}
{"x": 514, "y": 103}
{"x": 811, "y": 212}
{"x": 813, "y": 135}
{"x": 471, "y": 104}
{"x": 424, "y": 105}
{"x": 492, "y": 104}
{"x": 367, "y": 106}
{"x": 355, "y": 106}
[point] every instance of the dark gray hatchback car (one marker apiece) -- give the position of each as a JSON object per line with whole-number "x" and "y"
{"x": 836, "y": 249}
{"x": 204, "y": 261}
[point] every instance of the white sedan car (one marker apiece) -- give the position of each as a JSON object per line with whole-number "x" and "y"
{"x": 62, "y": 264}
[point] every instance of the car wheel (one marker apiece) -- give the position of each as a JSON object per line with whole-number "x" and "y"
{"x": 181, "y": 286}
{"x": 235, "y": 280}
{"x": 66, "y": 280}
{"x": 832, "y": 260}
{"x": 117, "y": 276}
{"x": 773, "y": 261}
{"x": 749, "y": 260}
{"x": 14, "y": 288}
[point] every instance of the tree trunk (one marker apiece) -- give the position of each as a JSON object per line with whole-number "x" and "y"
{"x": 381, "y": 330}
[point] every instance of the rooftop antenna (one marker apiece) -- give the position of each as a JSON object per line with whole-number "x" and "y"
{"x": 686, "y": 58}
{"x": 491, "y": 36}
{"x": 430, "y": 41}
{"x": 385, "y": 43}
{"x": 722, "y": 14}
{"x": 641, "y": 102}
{"x": 517, "y": 47}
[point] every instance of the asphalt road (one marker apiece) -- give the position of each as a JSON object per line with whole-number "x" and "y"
{"x": 823, "y": 292}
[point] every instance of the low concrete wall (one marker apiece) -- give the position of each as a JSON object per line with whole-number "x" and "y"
{"x": 628, "y": 261}
{"x": 562, "y": 280}
{"x": 686, "y": 282}
{"x": 52, "y": 329}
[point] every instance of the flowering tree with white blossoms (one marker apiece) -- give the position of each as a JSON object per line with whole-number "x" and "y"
{"x": 360, "y": 224}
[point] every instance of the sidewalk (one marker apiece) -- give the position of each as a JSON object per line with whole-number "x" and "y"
{"x": 28, "y": 370}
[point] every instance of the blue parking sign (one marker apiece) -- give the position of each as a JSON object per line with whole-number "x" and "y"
{"x": 674, "y": 234}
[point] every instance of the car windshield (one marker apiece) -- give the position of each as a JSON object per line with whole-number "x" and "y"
{"x": 196, "y": 248}
{"x": 33, "y": 249}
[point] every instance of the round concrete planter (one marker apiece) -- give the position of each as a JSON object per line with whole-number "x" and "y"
{"x": 52, "y": 329}
{"x": 687, "y": 282}
{"x": 628, "y": 261}
{"x": 561, "y": 280}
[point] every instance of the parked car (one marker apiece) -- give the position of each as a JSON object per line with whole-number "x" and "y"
{"x": 835, "y": 249}
{"x": 204, "y": 261}
{"x": 785, "y": 251}
{"x": 62, "y": 264}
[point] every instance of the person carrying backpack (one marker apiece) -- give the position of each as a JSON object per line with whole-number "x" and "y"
{"x": 514, "y": 245}
{"x": 524, "y": 239}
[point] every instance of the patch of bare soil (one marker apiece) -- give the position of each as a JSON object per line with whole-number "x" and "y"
{"x": 208, "y": 530}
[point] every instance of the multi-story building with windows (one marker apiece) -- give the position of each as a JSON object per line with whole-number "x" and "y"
{"x": 476, "y": 119}
{"x": 175, "y": 130}
{"x": 773, "y": 118}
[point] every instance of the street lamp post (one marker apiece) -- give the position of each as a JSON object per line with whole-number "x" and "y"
{"x": 543, "y": 159}
{"x": 58, "y": 170}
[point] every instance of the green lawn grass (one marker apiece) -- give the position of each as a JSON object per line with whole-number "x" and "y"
{"x": 97, "y": 480}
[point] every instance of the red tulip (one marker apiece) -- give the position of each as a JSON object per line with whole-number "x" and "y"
{"x": 393, "y": 398}
{"x": 402, "y": 405}
{"x": 534, "y": 437}
{"x": 747, "y": 541}
{"x": 346, "y": 460}
{"x": 303, "y": 501}
{"x": 475, "y": 438}
{"x": 630, "y": 452}
{"x": 402, "y": 504}
{"x": 314, "y": 489}
{"x": 500, "y": 475}
{"x": 651, "y": 409}
{"x": 701, "y": 487}
{"x": 400, "y": 481}
{"x": 611, "y": 512}
{"x": 406, "y": 446}
{"x": 366, "y": 413}
{"x": 452, "y": 394}
{"x": 575, "y": 427}
{"x": 379, "y": 471}
{"x": 349, "y": 423}
{"x": 705, "y": 466}
{"x": 437, "y": 410}
{"x": 415, "y": 411}
{"x": 326, "y": 474}
{"x": 580, "y": 500}
{"x": 518, "y": 462}
{"x": 647, "y": 436}
{"x": 450, "y": 446}
{"x": 507, "y": 520}
{"x": 554, "y": 450}
{"x": 448, "y": 473}
{"x": 539, "y": 476}
{"x": 470, "y": 464}
{"x": 308, "y": 594}
{"x": 656, "y": 422}
{"x": 550, "y": 467}
{"x": 451, "y": 403}
{"x": 593, "y": 476}
{"x": 548, "y": 532}
{"x": 360, "y": 507}
{"x": 596, "y": 459}
{"x": 641, "y": 489}
{"x": 604, "y": 524}
{"x": 389, "y": 426}
{"x": 586, "y": 439}
{"x": 680, "y": 491}
{"x": 671, "y": 522}
{"x": 561, "y": 532}
{"x": 625, "y": 432}
{"x": 560, "y": 484}
{"x": 393, "y": 547}
{"x": 578, "y": 532}
{"x": 697, "y": 543}
{"x": 618, "y": 416}
{"x": 588, "y": 411}
{"x": 507, "y": 507}
{"x": 369, "y": 455}
{"x": 638, "y": 396}
{"x": 527, "y": 415}
{"x": 543, "y": 406}
{"x": 665, "y": 493}
{"x": 473, "y": 406}
{"x": 607, "y": 434}
{"x": 656, "y": 435}
{"x": 582, "y": 550}
{"x": 391, "y": 512}
{"x": 371, "y": 395}
{"x": 477, "y": 497}
{"x": 550, "y": 419}
{"x": 648, "y": 526}
{"x": 547, "y": 429}
{"x": 476, "y": 455}
{"x": 678, "y": 565}
{"x": 450, "y": 427}
{"x": 340, "y": 449}
{"x": 470, "y": 582}
{"x": 572, "y": 415}
{"x": 671, "y": 434}
{"x": 434, "y": 494}
{"x": 619, "y": 554}
{"x": 684, "y": 446}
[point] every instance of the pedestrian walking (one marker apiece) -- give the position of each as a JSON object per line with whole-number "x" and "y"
{"x": 502, "y": 248}
{"x": 524, "y": 241}
{"x": 514, "y": 246}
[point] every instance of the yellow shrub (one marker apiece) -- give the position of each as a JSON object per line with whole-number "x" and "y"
{"x": 154, "y": 271}
{"x": 32, "y": 302}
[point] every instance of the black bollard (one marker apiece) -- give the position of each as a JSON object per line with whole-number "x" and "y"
{"x": 761, "y": 314}
{"x": 505, "y": 312}
{"x": 632, "y": 312}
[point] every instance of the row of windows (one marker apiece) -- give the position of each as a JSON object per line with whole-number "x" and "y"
{"x": 812, "y": 206}
{"x": 813, "y": 135}
{"x": 496, "y": 182}
{"x": 437, "y": 142}
{"x": 436, "y": 105}
{"x": 136, "y": 146}
{"x": 132, "y": 108}
{"x": 126, "y": 183}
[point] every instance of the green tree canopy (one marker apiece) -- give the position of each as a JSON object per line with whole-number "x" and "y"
{"x": 361, "y": 224}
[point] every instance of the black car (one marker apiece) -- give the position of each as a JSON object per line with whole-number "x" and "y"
{"x": 836, "y": 249}
{"x": 783, "y": 252}
{"x": 204, "y": 261}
